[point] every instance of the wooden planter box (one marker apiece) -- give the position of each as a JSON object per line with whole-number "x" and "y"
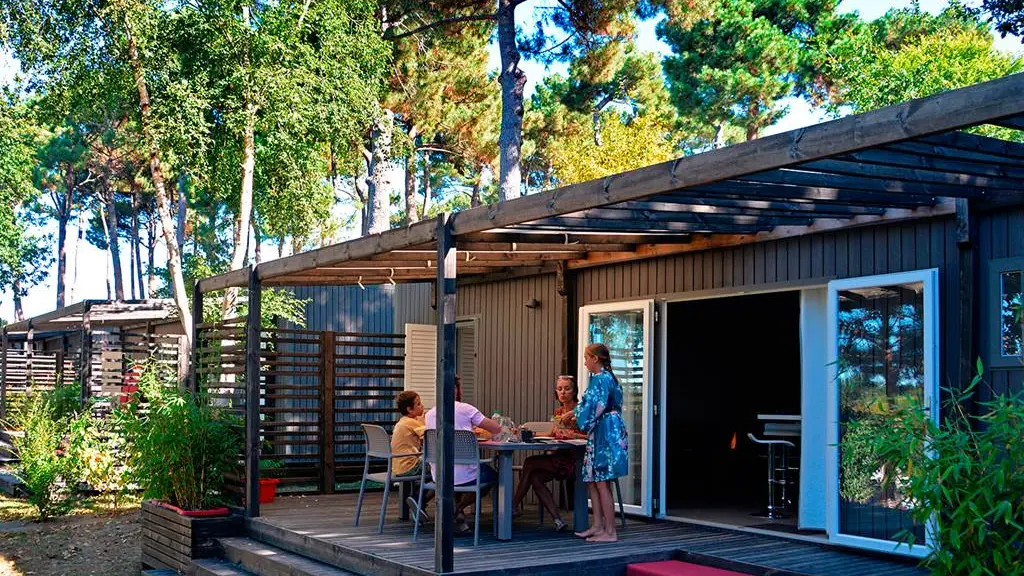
{"x": 171, "y": 540}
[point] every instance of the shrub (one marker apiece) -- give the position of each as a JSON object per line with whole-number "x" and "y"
{"x": 971, "y": 482}
{"x": 46, "y": 468}
{"x": 99, "y": 447}
{"x": 180, "y": 447}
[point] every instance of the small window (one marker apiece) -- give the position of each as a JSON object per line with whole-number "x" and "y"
{"x": 1006, "y": 328}
{"x": 1011, "y": 299}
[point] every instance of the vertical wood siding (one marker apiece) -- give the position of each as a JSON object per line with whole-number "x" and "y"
{"x": 348, "y": 308}
{"x": 1000, "y": 235}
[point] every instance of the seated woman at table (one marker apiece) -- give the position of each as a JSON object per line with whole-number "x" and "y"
{"x": 558, "y": 465}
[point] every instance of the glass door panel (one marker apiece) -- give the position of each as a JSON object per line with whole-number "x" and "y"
{"x": 626, "y": 329}
{"x": 883, "y": 348}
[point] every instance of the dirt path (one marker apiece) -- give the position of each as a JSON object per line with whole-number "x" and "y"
{"x": 100, "y": 545}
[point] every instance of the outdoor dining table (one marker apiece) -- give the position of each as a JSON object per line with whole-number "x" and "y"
{"x": 505, "y": 452}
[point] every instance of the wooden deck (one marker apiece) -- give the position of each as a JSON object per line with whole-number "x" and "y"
{"x": 321, "y": 527}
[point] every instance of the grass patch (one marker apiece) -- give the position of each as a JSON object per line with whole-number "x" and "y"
{"x": 20, "y": 509}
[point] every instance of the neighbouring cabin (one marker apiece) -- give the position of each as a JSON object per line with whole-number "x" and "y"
{"x": 114, "y": 338}
{"x": 756, "y": 299}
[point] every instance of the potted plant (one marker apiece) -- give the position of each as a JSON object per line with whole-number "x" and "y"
{"x": 180, "y": 449}
{"x": 268, "y": 486}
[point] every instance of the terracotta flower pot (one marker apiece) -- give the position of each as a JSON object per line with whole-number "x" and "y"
{"x": 268, "y": 489}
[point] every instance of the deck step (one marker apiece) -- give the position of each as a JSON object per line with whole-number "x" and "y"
{"x": 263, "y": 559}
{"x": 216, "y": 567}
{"x": 159, "y": 572}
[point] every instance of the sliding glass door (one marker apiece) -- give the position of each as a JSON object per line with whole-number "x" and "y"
{"x": 627, "y": 329}
{"x": 883, "y": 344}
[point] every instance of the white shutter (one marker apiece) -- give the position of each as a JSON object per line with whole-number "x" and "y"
{"x": 465, "y": 361}
{"x": 421, "y": 361}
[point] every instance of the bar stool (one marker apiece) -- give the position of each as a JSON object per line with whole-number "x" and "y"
{"x": 774, "y": 511}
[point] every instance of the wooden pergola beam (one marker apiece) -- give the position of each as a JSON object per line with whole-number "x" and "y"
{"x": 519, "y": 237}
{"x": 360, "y": 248}
{"x": 875, "y": 182}
{"x": 778, "y": 233}
{"x": 817, "y": 194}
{"x": 576, "y": 223}
{"x": 978, "y": 104}
{"x": 739, "y": 205}
{"x": 975, "y": 143}
{"x": 903, "y": 173}
{"x": 925, "y": 157}
{"x": 666, "y": 212}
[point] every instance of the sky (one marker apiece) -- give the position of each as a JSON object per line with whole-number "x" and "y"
{"x": 89, "y": 267}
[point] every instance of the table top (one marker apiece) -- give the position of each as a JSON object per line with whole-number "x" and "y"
{"x": 779, "y": 417}
{"x": 543, "y": 445}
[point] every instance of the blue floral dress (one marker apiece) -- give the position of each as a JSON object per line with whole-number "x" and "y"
{"x": 599, "y": 414}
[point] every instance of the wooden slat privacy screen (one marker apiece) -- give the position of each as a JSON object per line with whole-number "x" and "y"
{"x": 114, "y": 358}
{"x": 316, "y": 389}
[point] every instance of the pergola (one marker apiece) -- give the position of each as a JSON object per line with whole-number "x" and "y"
{"x": 83, "y": 317}
{"x": 901, "y": 162}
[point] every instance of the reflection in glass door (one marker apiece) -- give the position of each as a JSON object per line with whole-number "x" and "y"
{"x": 626, "y": 329}
{"x": 883, "y": 347}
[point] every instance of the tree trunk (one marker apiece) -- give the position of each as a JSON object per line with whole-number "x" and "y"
{"x": 138, "y": 246}
{"x": 182, "y": 214}
{"x": 78, "y": 244}
{"x": 753, "y": 111}
{"x": 411, "y": 210}
{"x": 361, "y": 183}
{"x": 244, "y": 215}
{"x": 63, "y": 217}
{"x": 159, "y": 187}
{"x": 19, "y": 314}
{"x": 151, "y": 250}
{"x": 257, "y": 253}
{"x": 513, "y": 83}
{"x": 428, "y": 193}
{"x": 474, "y": 199}
{"x": 381, "y": 173}
{"x": 113, "y": 245}
{"x": 132, "y": 240}
{"x": 719, "y": 136}
{"x": 597, "y": 127}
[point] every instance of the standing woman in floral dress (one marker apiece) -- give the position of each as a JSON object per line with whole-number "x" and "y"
{"x": 599, "y": 414}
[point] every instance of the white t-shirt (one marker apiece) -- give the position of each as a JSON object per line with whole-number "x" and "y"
{"x": 466, "y": 417}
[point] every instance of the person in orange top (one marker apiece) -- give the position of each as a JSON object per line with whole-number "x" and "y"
{"x": 407, "y": 437}
{"x": 557, "y": 465}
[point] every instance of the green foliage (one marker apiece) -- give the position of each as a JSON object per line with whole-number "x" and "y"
{"x": 910, "y": 54}
{"x": 734, "y": 59}
{"x": 966, "y": 474}
{"x": 99, "y": 448}
{"x": 47, "y": 469}
{"x": 180, "y": 447}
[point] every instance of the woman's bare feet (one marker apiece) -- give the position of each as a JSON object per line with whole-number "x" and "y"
{"x": 589, "y": 532}
{"x": 603, "y": 537}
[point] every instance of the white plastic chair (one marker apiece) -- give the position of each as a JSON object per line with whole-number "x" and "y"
{"x": 378, "y": 445}
{"x": 467, "y": 452}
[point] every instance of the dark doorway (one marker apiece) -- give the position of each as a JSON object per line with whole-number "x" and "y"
{"x": 729, "y": 359}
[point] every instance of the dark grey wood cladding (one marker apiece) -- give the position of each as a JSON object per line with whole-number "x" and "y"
{"x": 520, "y": 351}
{"x": 347, "y": 308}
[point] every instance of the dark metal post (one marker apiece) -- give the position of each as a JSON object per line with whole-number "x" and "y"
{"x": 444, "y": 544}
{"x": 85, "y": 361}
{"x": 193, "y": 353}
{"x": 3, "y": 373}
{"x": 968, "y": 325}
{"x": 327, "y": 346}
{"x": 252, "y": 398}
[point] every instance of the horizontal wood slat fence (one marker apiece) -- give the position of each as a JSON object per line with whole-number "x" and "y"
{"x": 114, "y": 363}
{"x": 316, "y": 389}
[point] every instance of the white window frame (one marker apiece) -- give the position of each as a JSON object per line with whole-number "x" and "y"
{"x": 647, "y": 420}
{"x": 929, "y": 279}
